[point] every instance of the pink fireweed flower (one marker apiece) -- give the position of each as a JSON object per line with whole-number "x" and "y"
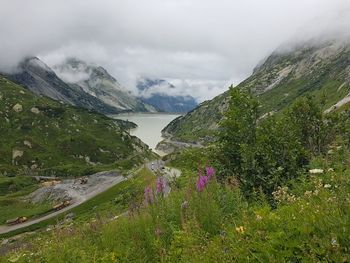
{"x": 201, "y": 183}
{"x": 148, "y": 195}
{"x": 209, "y": 171}
{"x": 161, "y": 184}
{"x": 203, "y": 180}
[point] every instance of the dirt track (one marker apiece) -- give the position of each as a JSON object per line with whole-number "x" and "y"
{"x": 97, "y": 183}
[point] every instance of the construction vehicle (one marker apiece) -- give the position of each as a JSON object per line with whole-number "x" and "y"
{"x": 61, "y": 205}
{"x": 17, "y": 220}
{"x": 83, "y": 180}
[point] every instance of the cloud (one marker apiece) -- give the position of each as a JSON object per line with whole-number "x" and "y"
{"x": 202, "y": 44}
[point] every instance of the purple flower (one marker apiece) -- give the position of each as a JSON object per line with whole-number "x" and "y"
{"x": 209, "y": 171}
{"x": 203, "y": 180}
{"x": 148, "y": 195}
{"x": 161, "y": 184}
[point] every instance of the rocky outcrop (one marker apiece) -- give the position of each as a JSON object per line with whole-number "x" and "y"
{"x": 97, "y": 82}
{"x": 313, "y": 68}
{"x": 36, "y": 76}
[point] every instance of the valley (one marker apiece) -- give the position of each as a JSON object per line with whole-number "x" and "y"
{"x": 174, "y": 131}
{"x": 149, "y": 127}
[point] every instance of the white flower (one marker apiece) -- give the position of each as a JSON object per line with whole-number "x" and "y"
{"x": 316, "y": 171}
{"x": 327, "y": 186}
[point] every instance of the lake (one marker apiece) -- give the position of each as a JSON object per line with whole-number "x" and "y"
{"x": 149, "y": 127}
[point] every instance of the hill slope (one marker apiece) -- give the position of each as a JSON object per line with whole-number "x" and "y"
{"x": 97, "y": 82}
{"x": 320, "y": 70}
{"x": 39, "y": 135}
{"x": 36, "y": 76}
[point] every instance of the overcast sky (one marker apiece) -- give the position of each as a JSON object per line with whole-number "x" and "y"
{"x": 200, "y": 45}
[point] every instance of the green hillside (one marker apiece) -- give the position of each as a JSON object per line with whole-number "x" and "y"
{"x": 257, "y": 204}
{"x": 45, "y": 137}
{"x": 318, "y": 70}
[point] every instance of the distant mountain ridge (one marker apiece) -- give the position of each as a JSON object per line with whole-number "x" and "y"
{"x": 94, "y": 87}
{"x": 96, "y": 81}
{"x": 39, "y": 78}
{"x": 154, "y": 92}
{"x": 320, "y": 69}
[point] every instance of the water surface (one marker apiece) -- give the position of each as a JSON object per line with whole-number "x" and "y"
{"x": 149, "y": 125}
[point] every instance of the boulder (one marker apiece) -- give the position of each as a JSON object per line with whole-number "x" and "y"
{"x": 17, "y": 108}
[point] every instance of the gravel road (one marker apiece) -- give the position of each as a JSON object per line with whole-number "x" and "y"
{"x": 79, "y": 193}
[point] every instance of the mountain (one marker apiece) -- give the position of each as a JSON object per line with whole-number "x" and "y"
{"x": 41, "y": 135}
{"x": 319, "y": 69}
{"x": 97, "y": 82}
{"x": 152, "y": 92}
{"x": 36, "y": 76}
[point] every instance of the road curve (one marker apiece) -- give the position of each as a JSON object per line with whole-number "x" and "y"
{"x": 159, "y": 169}
{"x": 5, "y": 229}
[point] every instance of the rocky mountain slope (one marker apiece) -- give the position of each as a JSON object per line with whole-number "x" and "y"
{"x": 319, "y": 69}
{"x": 152, "y": 92}
{"x": 43, "y": 136}
{"x": 36, "y": 76}
{"x": 97, "y": 82}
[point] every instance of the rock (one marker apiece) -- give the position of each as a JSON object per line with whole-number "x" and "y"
{"x": 316, "y": 171}
{"x": 16, "y": 154}
{"x": 69, "y": 216}
{"x": 17, "y": 108}
{"x": 35, "y": 110}
{"x": 5, "y": 242}
{"x": 28, "y": 144}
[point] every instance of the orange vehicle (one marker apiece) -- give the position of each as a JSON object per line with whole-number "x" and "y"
{"x": 16, "y": 220}
{"x": 61, "y": 205}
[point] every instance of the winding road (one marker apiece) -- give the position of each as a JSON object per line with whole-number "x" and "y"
{"x": 103, "y": 187}
{"x": 157, "y": 167}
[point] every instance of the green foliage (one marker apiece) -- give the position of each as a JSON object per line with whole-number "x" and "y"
{"x": 110, "y": 203}
{"x": 51, "y": 138}
{"x": 309, "y": 224}
{"x": 266, "y": 153}
{"x": 13, "y": 191}
{"x": 238, "y": 132}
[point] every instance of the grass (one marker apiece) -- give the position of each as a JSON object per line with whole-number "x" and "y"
{"x": 51, "y": 138}
{"x": 114, "y": 201}
{"x": 310, "y": 224}
{"x": 322, "y": 81}
{"x": 12, "y": 203}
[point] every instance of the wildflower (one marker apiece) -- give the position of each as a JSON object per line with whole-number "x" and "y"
{"x": 259, "y": 217}
{"x": 201, "y": 182}
{"x": 209, "y": 171}
{"x": 327, "y": 186}
{"x": 148, "y": 195}
{"x": 308, "y": 193}
{"x": 334, "y": 242}
{"x": 316, "y": 171}
{"x": 160, "y": 185}
{"x": 240, "y": 229}
{"x": 184, "y": 205}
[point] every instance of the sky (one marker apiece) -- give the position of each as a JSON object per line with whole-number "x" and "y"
{"x": 201, "y": 46}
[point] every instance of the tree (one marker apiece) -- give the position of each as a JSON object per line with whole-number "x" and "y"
{"x": 238, "y": 133}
